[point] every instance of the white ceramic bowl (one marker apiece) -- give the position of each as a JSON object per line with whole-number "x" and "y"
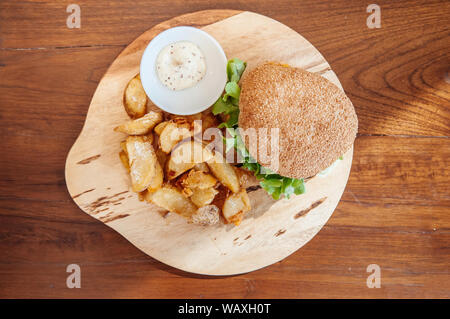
{"x": 191, "y": 100}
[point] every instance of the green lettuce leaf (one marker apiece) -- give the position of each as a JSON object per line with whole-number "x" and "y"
{"x": 235, "y": 68}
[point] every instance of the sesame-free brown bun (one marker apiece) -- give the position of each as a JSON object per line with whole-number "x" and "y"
{"x": 316, "y": 120}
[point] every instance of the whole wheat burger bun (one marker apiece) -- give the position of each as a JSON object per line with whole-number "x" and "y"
{"x": 316, "y": 120}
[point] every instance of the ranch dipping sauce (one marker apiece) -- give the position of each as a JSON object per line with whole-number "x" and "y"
{"x": 180, "y": 65}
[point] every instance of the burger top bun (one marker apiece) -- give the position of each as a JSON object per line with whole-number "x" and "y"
{"x": 316, "y": 120}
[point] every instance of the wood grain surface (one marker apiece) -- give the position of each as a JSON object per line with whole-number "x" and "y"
{"x": 394, "y": 212}
{"x": 269, "y": 232}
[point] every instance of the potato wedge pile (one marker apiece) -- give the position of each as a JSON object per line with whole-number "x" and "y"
{"x": 172, "y": 170}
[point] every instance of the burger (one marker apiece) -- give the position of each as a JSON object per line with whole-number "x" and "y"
{"x": 315, "y": 121}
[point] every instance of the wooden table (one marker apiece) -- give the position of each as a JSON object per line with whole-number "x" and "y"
{"x": 395, "y": 211}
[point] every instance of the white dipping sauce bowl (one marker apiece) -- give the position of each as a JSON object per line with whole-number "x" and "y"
{"x": 191, "y": 100}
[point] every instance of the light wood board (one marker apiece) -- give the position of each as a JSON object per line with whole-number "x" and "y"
{"x": 100, "y": 186}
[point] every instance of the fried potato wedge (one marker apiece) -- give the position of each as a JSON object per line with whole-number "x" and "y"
{"x": 202, "y": 167}
{"x": 203, "y": 197}
{"x": 123, "y": 146}
{"x": 187, "y": 192}
{"x": 235, "y": 206}
{"x": 199, "y": 179}
{"x": 180, "y": 120}
{"x": 124, "y": 159}
{"x": 140, "y": 126}
{"x": 173, "y": 200}
{"x": 142, "y": 160}
{"x": 160, "y": 127}
{"x": 142, "y": 195}
{"x": 149, "y": 138}
{"x": 206, "y": 215}
{"x": 172, "y": 134}
{"x": 224, "y": 172}
{"x": 162, "y": 157}
{"x": 135, "y": 98}
{"x": 246, "y": 177}
{"x": 157, "y": 180}
{"x": 185, "y": 156}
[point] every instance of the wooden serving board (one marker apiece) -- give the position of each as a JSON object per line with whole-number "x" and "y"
{"x": 100, "y": 186}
